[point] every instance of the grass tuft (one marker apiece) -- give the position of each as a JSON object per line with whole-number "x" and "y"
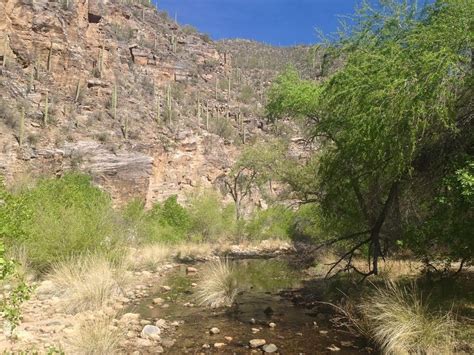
{"x": 95, "y": 336}
{"x": 402, "y": 323}
{"x": 218, "y": 285}
{"x": 88, "y": 283}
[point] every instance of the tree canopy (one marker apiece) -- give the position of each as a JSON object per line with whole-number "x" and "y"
{"x": 395, "y": 128}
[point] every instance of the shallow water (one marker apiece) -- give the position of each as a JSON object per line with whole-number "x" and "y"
{"x": 259, "y": 302}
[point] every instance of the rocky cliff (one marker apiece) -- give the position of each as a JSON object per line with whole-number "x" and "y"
{"x": 116, "y": 89}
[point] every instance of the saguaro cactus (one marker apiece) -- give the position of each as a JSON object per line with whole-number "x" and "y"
{"x": 50, "y": 57}
{"x": 21, "y": 128}
{"x": 169, "y": 104}
{"x": 158, "y": 107}
{"x": 78, "y": 91}
{"x": 46, "y": 110}
{"x": 100, "y": 61}
{"x": 114, "y": 101}
{"x": 31, "y": 79}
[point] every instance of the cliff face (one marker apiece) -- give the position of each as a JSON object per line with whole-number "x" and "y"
{"x": 118, "y": 90}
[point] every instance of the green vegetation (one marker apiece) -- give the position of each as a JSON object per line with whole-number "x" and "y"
{"x": 59, "y": 219}
{"x": 392, "y": 119}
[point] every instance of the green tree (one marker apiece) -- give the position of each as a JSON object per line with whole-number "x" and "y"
{"x": 256, "y": 166}
{"x": 398, "y": 99}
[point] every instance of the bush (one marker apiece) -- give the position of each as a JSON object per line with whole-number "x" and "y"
{"x": 59, "y": 219}
{"x": 210, "y": 218}
{"x": 166, "y": 222}
{"x": 274, "y": 222}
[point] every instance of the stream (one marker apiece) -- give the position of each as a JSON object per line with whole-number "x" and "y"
{"x": 263, "y": 298}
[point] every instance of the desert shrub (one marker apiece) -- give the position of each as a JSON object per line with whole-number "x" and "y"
{"x": 8, "y": 115}
{"x": 246, "y": 94}
{"x": 61, "y": 218}
{"x": 222, "y": 127}
{"x": 123, "y": 33}
{"x": 274, "y": 222}
{"x": 210, "y": 218}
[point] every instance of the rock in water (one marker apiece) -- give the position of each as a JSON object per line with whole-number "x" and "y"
{"x": 256, "y": 343}
{"x": 333, "y": 348}
{"x": 214, "y": 330}
{"x": 150, "y": 331}
{"x": 270, "y": 348}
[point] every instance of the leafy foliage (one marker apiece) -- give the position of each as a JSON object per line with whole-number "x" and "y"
{"x": 60, "y": 218}
{"x": 399, "y": 101}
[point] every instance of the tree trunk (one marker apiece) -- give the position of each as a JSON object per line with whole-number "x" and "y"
{"x": 375, "y": 233}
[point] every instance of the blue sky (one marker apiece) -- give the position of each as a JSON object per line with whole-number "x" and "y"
{"x": 278, "y": 22}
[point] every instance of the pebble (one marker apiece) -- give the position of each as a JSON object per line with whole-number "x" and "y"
{"x": 324, "y": 332}
{"x": 166, "y": 288}
{"x": 219, "y": 345}
{"x": 158, "y": 301}
{"x": 191, "y": 270}
{"x": 272, "y": 325}
{"x": 256, "y": 343}
{"x": 160, "y": 323}
{"x": 255, "y": 330}
{"x": 270, "y": 348}
{"x": 333, "y": 348}
{"x": 347, "y": 344}
{"x": 229, "y": 339}
{"x": 145, "y": 322}
{"x": 206, "y": 346}
{"x": 214, "y": 330}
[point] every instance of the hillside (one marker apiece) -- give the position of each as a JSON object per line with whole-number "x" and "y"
{"x": 149, "y": 108}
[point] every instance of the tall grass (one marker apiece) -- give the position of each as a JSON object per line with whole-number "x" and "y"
{"x": 401, "y": 322}
{"x": 95, "y": 336}
{"x": 88, "y": 283}
{"x": 218, "y": 286}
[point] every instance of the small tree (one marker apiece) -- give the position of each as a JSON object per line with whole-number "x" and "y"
{"x": 257, "y": 165}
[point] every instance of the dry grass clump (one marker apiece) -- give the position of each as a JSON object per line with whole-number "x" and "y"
{"x": 218, "y": 286}
{"x": 148, "y": 257}
{"x": 88, "y": 283}
{"x": 95, "y": 336}
{"x": 401, "y": 323}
